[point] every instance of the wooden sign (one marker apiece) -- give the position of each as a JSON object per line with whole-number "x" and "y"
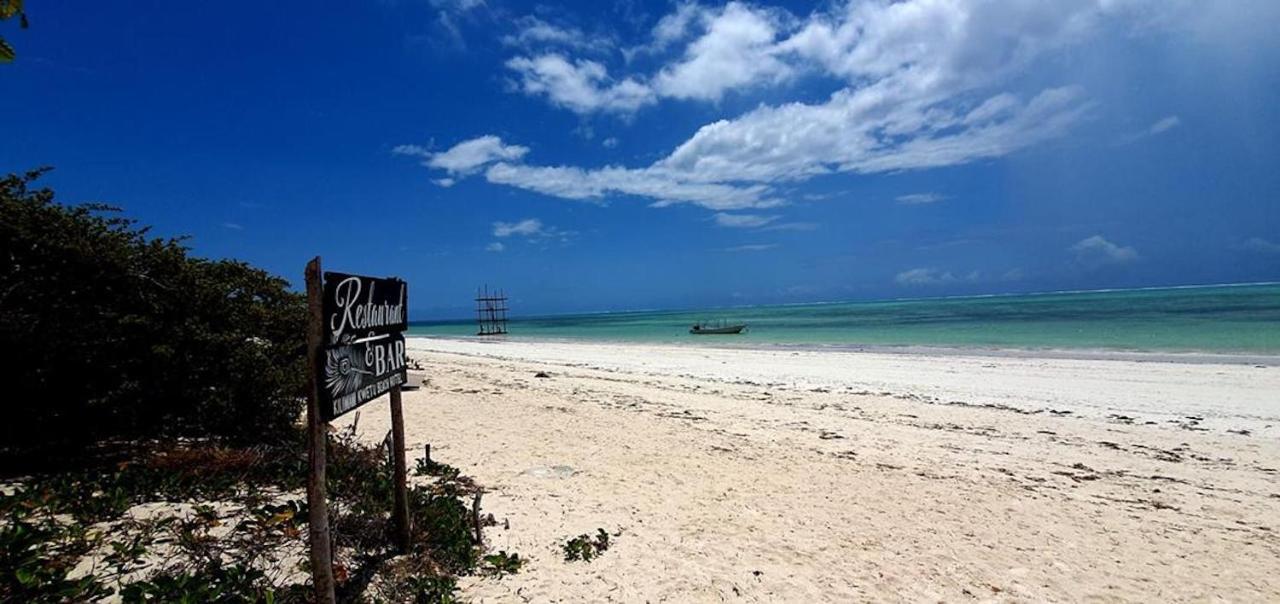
{"x": 362, "y": 357}
{"x": 356, "y": 353}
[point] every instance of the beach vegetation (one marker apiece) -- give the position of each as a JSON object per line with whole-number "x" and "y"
{"x": 152, "y": 431}
{"x": 585, "y": 548}
{"x": 240, "y": 522}
{"x": 10, "y": 9}
{"x": 502, "y": 563}
{"x": 121, "y": 336}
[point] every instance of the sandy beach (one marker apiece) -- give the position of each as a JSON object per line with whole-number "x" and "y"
{"x": 786, "y": 475}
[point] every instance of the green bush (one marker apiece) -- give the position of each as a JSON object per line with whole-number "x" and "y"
{"x": 584, "y": 548}
{"x": 111, "y": 334}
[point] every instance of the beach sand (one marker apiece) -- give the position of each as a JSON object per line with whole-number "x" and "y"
{"x": 787, "y": 475}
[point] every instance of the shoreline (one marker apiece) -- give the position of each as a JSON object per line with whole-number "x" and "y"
{"x": 1194, "y": 393}
{"x": 1077, "y": 354}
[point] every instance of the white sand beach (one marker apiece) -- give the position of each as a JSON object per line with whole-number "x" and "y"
{"x": 801, "y": 476}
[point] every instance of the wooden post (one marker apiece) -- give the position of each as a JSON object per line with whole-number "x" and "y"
{"x": 401, "y": 511}
{"x": 317, "y": 428}
{"x": 475, "y": 519}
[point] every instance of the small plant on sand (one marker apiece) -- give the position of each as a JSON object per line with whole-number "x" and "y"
{"x": 430, "y": 467}
{"x": 502, "y": 563}
{"x": 584, "y": 548}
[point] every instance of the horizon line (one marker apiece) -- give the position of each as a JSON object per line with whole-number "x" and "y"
{"x": 871, "y": 301}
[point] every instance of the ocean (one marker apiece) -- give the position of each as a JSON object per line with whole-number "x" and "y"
{"x": 1213, "y": 319}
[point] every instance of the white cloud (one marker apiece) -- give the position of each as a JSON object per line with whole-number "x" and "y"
{"x": 675, "y": 27}
{"x": 1097, "y": 251}
{"x": 609, "y": 143}
{"x": 751, "y": 247}
{"x": 921, "y": 89}
{"x": 742, "y": 221}
{"x": 233, "y": 226}
{"x": 791, "y": 226}
{"x": 876, "y": 129}
{"x": 730, "y": 165}
{"x": 1161, "y": 126}
{"x": 534, "y": 32}
{"x": 914, "y": 199}
{"x": 736, "y": 50}
{"x": 1260, "y": 245}
{"x": 663, "y": 186}
{"x": 1165, "y": 124}
{"x": 582, "y": 86}
{"x": 465, "y": 157}
{"x": 931, "y": 276}
{"x": 531, "y": 228}
{"x": 445, "y": 182}
{"x": 411, "y": 150}
{"x": 450, "y": 14}
{"x": 496, "y": 246}
{"x": 527, "y": 227}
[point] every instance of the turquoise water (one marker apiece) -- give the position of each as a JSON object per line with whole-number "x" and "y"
{"x": 1238, "y": 318}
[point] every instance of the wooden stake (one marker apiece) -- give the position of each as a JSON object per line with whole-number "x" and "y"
{"x": 475, "y": 519}
{"x": 401, "y": 510}
{"x": 317, "y": 428}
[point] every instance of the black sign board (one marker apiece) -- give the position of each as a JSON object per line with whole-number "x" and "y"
{"x": 363, "y": 352}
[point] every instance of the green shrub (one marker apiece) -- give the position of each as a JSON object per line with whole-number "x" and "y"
{"x": 584, "y": 548}
{"x": 214, "y": 583}
{"x": 112, "y": 334}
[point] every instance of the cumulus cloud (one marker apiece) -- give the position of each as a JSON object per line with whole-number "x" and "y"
{"x": 934, "y": 48}
{"x": 919, "y": 88}
{"x": 742, "y": 221}
{"x": 663, "y": 186}
{"x": 737, "y": 49}
{"x": 731, "y": 165}
{"x": 582, "y": 86}
{"x": 496, "y": 246}
{"x": 465, "y": 157}
{"x": 915, "y": 199}
{"x": 1097, "y": 251}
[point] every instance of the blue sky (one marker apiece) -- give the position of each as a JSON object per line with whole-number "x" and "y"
{"x": 624, "y": 155}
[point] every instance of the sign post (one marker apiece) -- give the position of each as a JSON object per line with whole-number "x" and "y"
{"x": 400, "y": 513}
{"x": 317, "y": 428}
{"x": 356, "y": 353}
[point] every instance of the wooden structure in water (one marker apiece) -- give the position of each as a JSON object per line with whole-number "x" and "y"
{"x": 491, "y": 312}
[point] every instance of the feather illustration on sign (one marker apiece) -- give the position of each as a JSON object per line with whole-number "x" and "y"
{"x": 341, "y": 373}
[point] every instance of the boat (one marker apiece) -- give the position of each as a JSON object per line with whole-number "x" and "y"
{"x": 721, "y": 328}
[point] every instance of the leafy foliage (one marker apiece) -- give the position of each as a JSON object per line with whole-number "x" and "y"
{"x": 213, "y": 583}
{"x": 37, "y": 554}
{"x": 8, "y": 10}
{"x": 584, "y": 548}
{"x": 502, "y": 563}
{"x": 114, "y": 334}
{"x": 44, "y": 529}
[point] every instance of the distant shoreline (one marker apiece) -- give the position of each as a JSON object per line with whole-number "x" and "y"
{"x": 1083, "y": 354}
